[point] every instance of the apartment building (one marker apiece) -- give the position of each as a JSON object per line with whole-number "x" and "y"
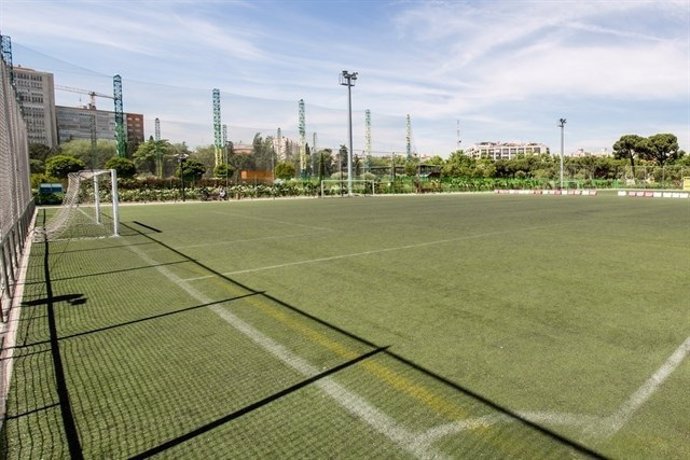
{"x": 36, "y": 92}
{"x": 505, "y": 150}
{"x": 77, "y": 123}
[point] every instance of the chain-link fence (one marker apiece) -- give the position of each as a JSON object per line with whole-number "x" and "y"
{"x": 16, "y": 203}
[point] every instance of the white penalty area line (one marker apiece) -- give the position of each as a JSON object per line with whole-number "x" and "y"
{"x": 348, "y": 400}
{"x": 552, "y": 418}
{"x": 373, "y": 251}
{"x": 618, "y": 419}
{"x": 595, "y": 426}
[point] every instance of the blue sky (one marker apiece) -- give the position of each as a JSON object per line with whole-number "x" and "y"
{"x": 505, "y": 70}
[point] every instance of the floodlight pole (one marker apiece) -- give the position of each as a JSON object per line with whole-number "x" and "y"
{"x": 180, "y": 159}
{"x": 561, "y": 125}
{"x": 348, "y": 79}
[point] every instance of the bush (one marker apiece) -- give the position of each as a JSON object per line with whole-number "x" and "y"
{"x": 124, "y": 167}
{"x": 37, "y": 179}
{"x": 48, "y": 198}
{"x": 61, "y": 165}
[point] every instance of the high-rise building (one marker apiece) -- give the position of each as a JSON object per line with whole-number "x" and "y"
{"x": 77, "y": 122}
{"x": 36, "y": 94}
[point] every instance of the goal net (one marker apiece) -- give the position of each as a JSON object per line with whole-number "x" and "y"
{"x": 89, "y": 208}
{"x": 337, "y": 187}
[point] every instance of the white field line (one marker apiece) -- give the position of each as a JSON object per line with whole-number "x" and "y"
{"x": 619, "y": 418}
{"x": 7, "y": 354}
{"x": 552, "y": 418}
{"x": 247, "y": 240}
{"x": 281, "y": 222}
{"x": 593, "y": 426}
{"x": 373, "y": 251}
{"x": 365, "y": 253}
{"x": 432, "y": 435}
{"x": 349, "y": 400}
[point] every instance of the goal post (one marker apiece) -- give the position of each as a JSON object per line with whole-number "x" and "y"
{"x": 90, "y": 208}
{"x": 337, "y": 187}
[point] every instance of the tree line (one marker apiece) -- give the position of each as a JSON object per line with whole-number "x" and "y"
{"x": 163, "y": 159}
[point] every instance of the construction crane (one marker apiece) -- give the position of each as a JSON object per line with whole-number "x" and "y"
{"x": 217, "y": 128}
{"x": 302, "y": 141}
{"x": 92, "y": 94}
{"x": 120, "y": 134}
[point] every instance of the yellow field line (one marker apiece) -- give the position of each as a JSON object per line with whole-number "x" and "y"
{"x": 383, "y": 373}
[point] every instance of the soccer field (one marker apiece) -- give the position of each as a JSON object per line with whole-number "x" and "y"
{"x": 391, "y": 326}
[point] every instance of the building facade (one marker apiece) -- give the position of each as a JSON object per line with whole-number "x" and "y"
{"x": 134, "y": 126}
{"x": 504, "y": 150}
{"x": 36, "y": 92}
{"x": 78, "y": 122}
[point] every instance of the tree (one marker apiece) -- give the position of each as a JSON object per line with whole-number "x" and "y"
{"x": 124, "y": 167}
{"x": 206, "y": 155}
{"x": 192, "y": 169}
{"x": 628, "y": 146}
{"x": 263, "y": 152}
{"x": 436, "y": 160}
{"x": 40, "y": 152}
{"x": 411, "y": 167}
{"x": 223, "y": 171}
{"x": 61, "y": 165}
{"x": 661, "y": 148}
{"x": 152, "y": 155}
{"x": 285, "y": 170}
{"x": 83, "y": 150}
{"x": 324, "y": 163}
{"x": 458, "y": 165}
{"x": 36, "y": 166}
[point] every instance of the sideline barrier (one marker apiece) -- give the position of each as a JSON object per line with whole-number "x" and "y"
{"x": 649, "y": 194}
{"x": 583, "y": 192}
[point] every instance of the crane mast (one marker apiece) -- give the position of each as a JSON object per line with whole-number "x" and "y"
{"x": 120, "y": 134}
{"x": 367, "y": 137}
{"x": 408, "y": 137}
{"x": 302, "y": 141}
{"x": 217, "y": 136}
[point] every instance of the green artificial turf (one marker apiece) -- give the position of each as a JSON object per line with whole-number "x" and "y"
{"x": 513, "y": 326}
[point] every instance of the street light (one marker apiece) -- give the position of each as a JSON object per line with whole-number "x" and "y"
{"x": 348, "y": 79}
{"x": 562, "y": 125}
{"x": 180, "y": 159}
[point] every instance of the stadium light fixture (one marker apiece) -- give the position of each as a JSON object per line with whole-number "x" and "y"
{"x": 562, "y": 126}
{"x": 348, "y": 79}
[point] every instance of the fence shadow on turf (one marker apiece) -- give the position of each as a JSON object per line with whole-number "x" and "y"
{"x": 441, "y": 380}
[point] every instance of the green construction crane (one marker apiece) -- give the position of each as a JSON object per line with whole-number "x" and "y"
{"x": 120, "y": 133}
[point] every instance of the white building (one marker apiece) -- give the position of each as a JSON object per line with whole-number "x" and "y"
{"x": 504, "y": 150}
{"x": 36, "y": 94}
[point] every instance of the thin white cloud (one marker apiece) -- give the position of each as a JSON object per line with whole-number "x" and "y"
{"x": 475, "y": 61}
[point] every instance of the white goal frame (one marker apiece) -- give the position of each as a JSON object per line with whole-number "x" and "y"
{"x": 344, "y": 182}
{"x": 71, "y": 202}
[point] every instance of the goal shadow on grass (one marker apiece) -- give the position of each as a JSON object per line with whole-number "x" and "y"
{"x": 500, "y": 411}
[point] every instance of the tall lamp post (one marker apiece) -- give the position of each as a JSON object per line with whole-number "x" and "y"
{"x": 561, "y": 125}
{"x": 180, "y": 160}
{"x": 348, "y": 79}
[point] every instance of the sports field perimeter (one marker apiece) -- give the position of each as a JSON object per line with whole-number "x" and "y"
{"x": 445, "y": 326}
